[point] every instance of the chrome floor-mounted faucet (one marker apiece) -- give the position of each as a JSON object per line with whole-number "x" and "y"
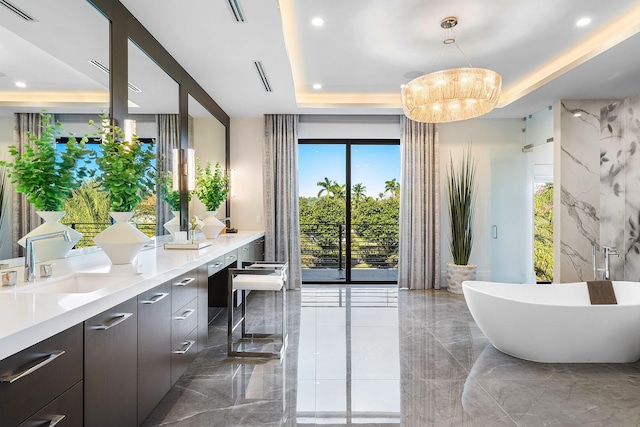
{"x": 607, "y": 252}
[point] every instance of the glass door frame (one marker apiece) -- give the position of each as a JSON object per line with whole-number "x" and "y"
{"x": 348, "y": 143}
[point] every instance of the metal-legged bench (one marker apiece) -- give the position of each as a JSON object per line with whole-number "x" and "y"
{"x": 256, "y": 276}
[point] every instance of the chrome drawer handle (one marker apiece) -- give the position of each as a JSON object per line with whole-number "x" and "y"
{"x": 48, "y": 359}
{"x": 231, "y": 257}
{"x": 185, "y": 314}
{"x": 245, "y": 249}
{"x": 185, "y": 282}
{"x": 55, "y": 420}
{"x": 155, "y": 298}
{"x": 187, "y": 345}
{"x": 216, "y": 265}
{"x": 116, "y": 321}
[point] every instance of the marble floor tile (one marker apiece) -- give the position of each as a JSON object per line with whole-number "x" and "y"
{"x": 391, "y": 358}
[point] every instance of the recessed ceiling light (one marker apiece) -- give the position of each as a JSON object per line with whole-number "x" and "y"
{"x": 583, "y": 22}
{"x": 577, "y": 114}
{"x": 317, "y": 86}
{"x": 21, "y": 84}
{"x": 317, "y": 22}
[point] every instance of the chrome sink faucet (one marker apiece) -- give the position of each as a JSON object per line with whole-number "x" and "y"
{"x": 30, "y": 257}
{"x": 607, "y": 251}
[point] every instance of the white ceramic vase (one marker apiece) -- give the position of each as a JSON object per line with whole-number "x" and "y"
{"x": 46, "y": 250}
{"x": 122, "y": 241}
{"x": 456, "y": 274}
{"x": 212, "y": 226}
{"x": 173, "y": 224}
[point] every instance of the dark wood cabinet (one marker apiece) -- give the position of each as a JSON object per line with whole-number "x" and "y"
{"x": 154, "y": 348}
{"x": 110, "y": 368}
{"x": 65, "y": 411}
{"x": 183, "y": 354}
{"x": 203, "y": 299}
{"x": 34, "y": 377}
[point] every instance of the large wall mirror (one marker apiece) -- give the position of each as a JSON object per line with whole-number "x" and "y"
{"x": 154, "y": 112}
{"x": 63, "y": 65}
{"x": 207, "y": 138}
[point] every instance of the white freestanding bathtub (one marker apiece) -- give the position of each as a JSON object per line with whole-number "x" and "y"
{"x": 557, "y": 323}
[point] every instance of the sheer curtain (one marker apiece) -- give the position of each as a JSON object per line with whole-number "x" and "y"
{"x": 419, "y": 245}
{"x": 24, "y": 217}
{"x": 168, "y": 139}
{"x": 280, "y": 174}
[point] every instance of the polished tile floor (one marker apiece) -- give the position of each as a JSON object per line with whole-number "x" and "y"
{"x": 375, "y": 356}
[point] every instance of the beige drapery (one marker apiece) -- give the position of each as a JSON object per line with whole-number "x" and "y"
{"x": 24, "y": 217}
{"x": 280, "y": 173}
{"x": 419, "y": 242}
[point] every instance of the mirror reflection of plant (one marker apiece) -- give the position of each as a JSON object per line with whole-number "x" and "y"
{"x": 211, "y": 187}
{"x": 126, "y": 168}
{"x": 45, "y": 177}
{"x": 167, "y": 193}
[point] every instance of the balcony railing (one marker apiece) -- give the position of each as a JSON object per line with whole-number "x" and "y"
{"x": 90, "y": 230}
{"x": 373, "y": 246}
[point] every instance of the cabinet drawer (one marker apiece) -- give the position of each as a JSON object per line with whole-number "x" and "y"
{"x": 66, "y": 410}
{"x": 38, "y": 374}
{"x": 182, "y": 355}
{"x": 230, "y": 257}
{"x": 183, "y": 321}
{"x": 216, "y": 265}
{"x": 184, "y": 288}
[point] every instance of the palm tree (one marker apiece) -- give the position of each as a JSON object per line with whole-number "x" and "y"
{"x": 338, "y": 191}
{"x": 325, "y": 187}
{"x": 358, "y": 193}
{"x": 392, "y": 187}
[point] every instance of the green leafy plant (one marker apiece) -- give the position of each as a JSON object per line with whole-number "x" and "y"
{"x": 167, "y": 193}
{"x": 126, "y": 168}
{"x": 46, "y": 178}
{"x": 461, "y": 185}
{"x": 211, "y": 187}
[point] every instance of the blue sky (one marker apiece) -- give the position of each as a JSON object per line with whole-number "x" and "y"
{"x": 61, "y": 147}
{"x": 372, "y": 165}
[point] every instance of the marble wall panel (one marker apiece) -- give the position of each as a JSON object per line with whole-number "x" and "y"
{"x": 580, "y": 187}
{"x": 612, "y": 182}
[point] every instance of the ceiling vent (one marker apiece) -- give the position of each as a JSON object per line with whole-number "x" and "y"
{"x": 263, "y": 76}
{"x": 236, "y": 10}
{"x": 21, "y": 13}
{"x": 100, "y": 66}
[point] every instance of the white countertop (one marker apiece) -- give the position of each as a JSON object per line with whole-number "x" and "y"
{"x": 27, "y": 318}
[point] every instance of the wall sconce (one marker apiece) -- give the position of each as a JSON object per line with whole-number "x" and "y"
{"x": 189, "y": 169}
{"x": 232, "y": 181}
{"x": 129, "y": 129}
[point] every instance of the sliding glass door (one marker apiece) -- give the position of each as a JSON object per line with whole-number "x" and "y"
{"x": 349, "y": 209}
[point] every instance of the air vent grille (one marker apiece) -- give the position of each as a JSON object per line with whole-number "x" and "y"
{"x": 263, "y": 76}
{"x": 100, "y": 66}
{"x": 21, "y": 13}
{"x": 236, "y": 10}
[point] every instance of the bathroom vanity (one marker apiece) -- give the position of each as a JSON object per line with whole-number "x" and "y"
{"x": 100, "y": 345}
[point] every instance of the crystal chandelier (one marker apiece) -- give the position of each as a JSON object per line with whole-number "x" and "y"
{"x": 451, "y": 95}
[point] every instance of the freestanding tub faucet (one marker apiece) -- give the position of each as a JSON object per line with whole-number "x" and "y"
{"x": 607, "y": 251}
{"x": 30, "y": 257}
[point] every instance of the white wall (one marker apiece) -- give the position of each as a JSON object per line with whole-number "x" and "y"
{"x": 247, "y": 210}
{"x": 484, "y": 135}
{"x": 348, "y": 127}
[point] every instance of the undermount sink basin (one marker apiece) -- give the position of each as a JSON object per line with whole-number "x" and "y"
{"x": 76, "y": 284}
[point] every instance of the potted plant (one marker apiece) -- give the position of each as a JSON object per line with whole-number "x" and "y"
{"x": 172, "y": 198}
{"x": 211, "y": 189}
{"x": 47, "y": 178}
{"x": 461, "y": 186}
{"x": 127, "y": 175}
